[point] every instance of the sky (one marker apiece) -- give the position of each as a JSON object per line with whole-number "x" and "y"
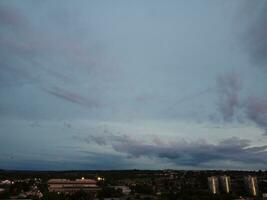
{"x": 133, "y": 84}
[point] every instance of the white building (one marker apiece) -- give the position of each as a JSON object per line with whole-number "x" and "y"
{"x": 225, "y": 183}
{"x": 213, "y": 184}
{"x": 251, "y": 185}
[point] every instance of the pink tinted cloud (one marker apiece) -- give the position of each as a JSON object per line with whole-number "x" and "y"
{"x": 256, "y": 110}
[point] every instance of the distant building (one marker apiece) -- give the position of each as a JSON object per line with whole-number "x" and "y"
{"x": 213, "y": 184}
{"x": 251, "y": 185}
{"x": 6, "y": 182}
{"x": 124, "y": 189}
{"x": 225, "y": 184}
{"x": 72, "y": 186}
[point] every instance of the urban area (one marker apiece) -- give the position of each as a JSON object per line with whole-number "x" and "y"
{"x": 134, "y": 184}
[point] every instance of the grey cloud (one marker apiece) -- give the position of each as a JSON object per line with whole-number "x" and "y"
{"x": 256, "y": 34}
{"x": 194, "y": 95}
{"x": 44, "y": 52}
{"x": 35, "y": 124}
{"x": 105, "y": 161}
{"x": 231, "y": 106}
{"x": 51, "y": 72}
{"x": 67, "y": 125}
{"x": 11, "y": 16}
{"x": 71, "y": 97}
{"x": 83, "y": 161}
{"x": 256, "y": 110}
{"x": 229, "y": 86}
{"x": 11, "y": 74}
{"x": 254, "y": 39}
{"x": 190, "y": 97}
{"x": 59, "y": 59}
{"x": 182, "y": 152}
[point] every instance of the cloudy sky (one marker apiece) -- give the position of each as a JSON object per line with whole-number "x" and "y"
{"x": 133, "y": 84}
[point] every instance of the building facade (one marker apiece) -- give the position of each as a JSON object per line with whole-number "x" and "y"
{"x": 72, "y": 186}
{"x": 225, "y": 184}
{"x": 213, "y": 184}
{"x": 251, "y": 185}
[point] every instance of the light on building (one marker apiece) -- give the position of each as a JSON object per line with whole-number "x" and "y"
{"x": 100, "y": 178}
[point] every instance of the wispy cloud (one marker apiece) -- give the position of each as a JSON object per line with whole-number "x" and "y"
{"x": 45, "y": 52}
{"x": 229, "y": 86}
{"x": 71, "y": 97}
{"x": 193, "y": 96}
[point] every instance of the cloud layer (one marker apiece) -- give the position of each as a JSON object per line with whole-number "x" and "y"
{"x": 143, "y": 67}
{"x": 184, "y": 153}
{"x": 256, "y": 35}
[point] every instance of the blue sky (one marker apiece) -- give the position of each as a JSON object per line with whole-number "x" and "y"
{"x": 133, "y": 84}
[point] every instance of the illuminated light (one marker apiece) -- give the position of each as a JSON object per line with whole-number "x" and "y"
{"x": 253, "y": 186}
{"x": 227, "y": 184}
{"x": 82, "y": 178}
{"x": 213, "y": 186}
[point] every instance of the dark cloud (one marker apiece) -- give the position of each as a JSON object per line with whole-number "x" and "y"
{"x": 229, "y": 86}
{"x": 254, "y": 39}
{"x": 256, "y": 34}
{"x": 105, "y": 161}
{"x": 84, "y": 161}
{"x": 230, "y": 105}
{"x": 71, "y": 97}
{"x": 67, "y": 125}
{"x": 256, "y": 110}
{"x": 12, "y": 17}
{"x": 185, "y": 153}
